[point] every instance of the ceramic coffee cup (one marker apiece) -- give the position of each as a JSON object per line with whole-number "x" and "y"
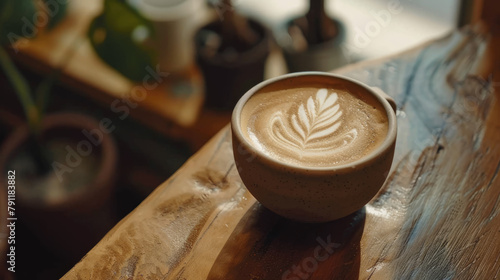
{"x": 339, "y": 184}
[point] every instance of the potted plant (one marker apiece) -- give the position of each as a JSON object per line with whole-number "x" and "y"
{"x": 64, "y": 163}
{"x": 231, "y": 52}
{"x": 313, "y": 41}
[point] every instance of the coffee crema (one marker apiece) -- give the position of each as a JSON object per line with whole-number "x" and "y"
{"x": 314, "y": 126}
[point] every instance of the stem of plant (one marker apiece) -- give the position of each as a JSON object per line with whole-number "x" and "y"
{"x": 33, "y": 114}
{"x": 235, "y": 28}
{"x": 22, "y": 90}
{"x": 320, "y": 27}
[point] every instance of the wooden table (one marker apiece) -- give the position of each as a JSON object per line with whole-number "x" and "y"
{"x": 436, "y": 217}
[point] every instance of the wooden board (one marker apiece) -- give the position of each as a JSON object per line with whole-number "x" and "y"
{"x": 437, "y": 216}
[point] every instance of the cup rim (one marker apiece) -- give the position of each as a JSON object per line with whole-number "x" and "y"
{"x": 388, "y": 141}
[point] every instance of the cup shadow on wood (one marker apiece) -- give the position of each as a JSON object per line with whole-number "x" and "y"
{"x": 267, "y": 246}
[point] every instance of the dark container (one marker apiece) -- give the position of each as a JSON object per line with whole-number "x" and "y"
{"x": 324, "y": 56}
{"x": 229, "y": 73}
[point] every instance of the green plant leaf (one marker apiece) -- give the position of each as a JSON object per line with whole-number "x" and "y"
{"x": 22, "y": 90}
{"x": 120, "y": 36}
{"x": 16, "y": 20}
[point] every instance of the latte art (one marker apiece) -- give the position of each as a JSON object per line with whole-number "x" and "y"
{"x": 318, "y": 119}
{"x": 313, "y": 126}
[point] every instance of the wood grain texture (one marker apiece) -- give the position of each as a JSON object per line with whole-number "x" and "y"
{"x": 437, "y": 216}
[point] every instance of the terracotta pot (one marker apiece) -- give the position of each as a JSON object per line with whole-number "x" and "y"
{"x": 69, "y": 223}
{"x": 228, "y": 77}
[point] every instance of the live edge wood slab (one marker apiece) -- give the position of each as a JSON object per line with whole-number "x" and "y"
{"x": 437, "y": 216}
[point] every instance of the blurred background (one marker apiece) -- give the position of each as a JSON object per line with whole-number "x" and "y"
{"x": 103, "y": 100}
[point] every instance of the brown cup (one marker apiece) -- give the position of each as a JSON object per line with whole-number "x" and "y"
{"x": 313, "y": 194}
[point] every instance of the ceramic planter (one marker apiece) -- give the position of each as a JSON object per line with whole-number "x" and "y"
{"x": 175, "y": 23}
{"x": 64, "y": 220}
{"x": 324, "y": 56}
{"x": 228, "y": 75}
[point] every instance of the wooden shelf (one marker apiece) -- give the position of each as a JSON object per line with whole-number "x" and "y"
{"x": 171, "y": 108}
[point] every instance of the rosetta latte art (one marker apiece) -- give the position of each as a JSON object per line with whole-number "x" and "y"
{"x": 311, "y": 126}
{"x": 318, "y": 118}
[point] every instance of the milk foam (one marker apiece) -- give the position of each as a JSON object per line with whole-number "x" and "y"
{"x": 313, "y": 126}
